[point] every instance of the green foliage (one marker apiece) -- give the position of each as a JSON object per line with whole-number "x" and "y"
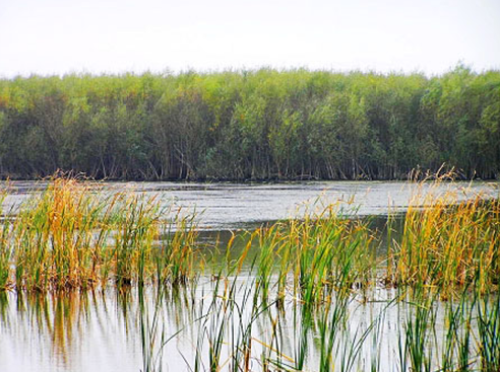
{"x": 262, "y": 124}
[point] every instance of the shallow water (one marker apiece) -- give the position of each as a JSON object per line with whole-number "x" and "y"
{"x": 102, "y": 330}
{"x": 224, "y": 206}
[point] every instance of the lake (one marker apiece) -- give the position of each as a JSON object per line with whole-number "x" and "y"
{"x": 211, "y": 322}
{"x": 225, "y": 206}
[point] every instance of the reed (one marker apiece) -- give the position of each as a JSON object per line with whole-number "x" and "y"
{"x": 418, "y": 333}
{"x": 136, "y": 226}
{"x": 5, "y": 247}
{"x": 330, "y": 326}
{"x": 303, "y": 327}
{"x": 228, "y": 332}
{"x": 153, "y": 332}
{"x": 489, "y": 332}
{"x": 175, "y": 258}
{"x": 53, "y": 238}
{"x": 325, "y": 252}
{"x": 71, "y": 237}
{"x": 270, "y": 240}
{"x": 448, "y": 244}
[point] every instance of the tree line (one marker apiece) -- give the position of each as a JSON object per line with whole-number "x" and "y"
{"x": 241, "y": 125}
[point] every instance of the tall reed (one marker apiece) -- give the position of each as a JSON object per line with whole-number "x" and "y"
{"x": 448, "y": 243}
{"x": 325, "y": 252}
{"x": 6, "y": 232}
{"x": 54, "y": 234}
{"x": 174, "y": 260}
{"x": 136, "y": 226}
{"x": 71, "y": 237}
{"x": 489, "y": 332}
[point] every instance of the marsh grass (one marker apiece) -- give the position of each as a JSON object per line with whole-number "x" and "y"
{"x": 176, "y": 256}
{"x": 5, "y": 248}
{"x": 136, "y": 226}
{"x": 53, "y": 238}
{"x": 153, "y": 333}
{"x": 448, "y": 244}
{"x": 315, "y": 256}
{"x": 71, "y": 239}
{"x": 488, "y": 319}
{"x": 224, "y": 329}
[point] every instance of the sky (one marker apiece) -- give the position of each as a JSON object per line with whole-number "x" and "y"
{"x": 49, "y": 37}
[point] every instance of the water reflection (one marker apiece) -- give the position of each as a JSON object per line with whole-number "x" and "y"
{"x": 223, "y": 322}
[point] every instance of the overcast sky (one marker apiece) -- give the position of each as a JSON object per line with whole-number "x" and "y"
{"x": 61, "y": 36}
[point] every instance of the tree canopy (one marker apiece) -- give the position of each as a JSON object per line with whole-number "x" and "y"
{"x": 261, "y": 124}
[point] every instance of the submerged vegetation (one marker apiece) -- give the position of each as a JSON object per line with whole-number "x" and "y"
{"x": 239, "y": 125}
{"x": 308, "y": 294}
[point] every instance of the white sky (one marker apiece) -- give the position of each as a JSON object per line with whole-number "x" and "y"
{"x": 60, "y": 36}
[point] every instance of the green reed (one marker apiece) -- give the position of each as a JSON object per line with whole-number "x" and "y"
{"x": 229, "y": 331}
{"x": 5, "y": 247}
{"x": 136, "y": 226}
{"x": 488, "y": 320}
{"x": 319, "y": 254}
{"x": 330, "y": 326}
{"x": 153, "y": 332}
{"x": 175, "y": 259}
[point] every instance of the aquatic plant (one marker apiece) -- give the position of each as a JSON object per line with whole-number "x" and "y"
{"x": 448, "y": 243}
{"x": 174, "y": 260}
{"x": 6, "y": 232}
{"x": 71, "y": 237}
{"x": 54, "y": 235}
{"x": 489, "y": 332}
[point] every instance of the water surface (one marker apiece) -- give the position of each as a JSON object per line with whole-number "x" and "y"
{"x": 222, "y": 206}
{"x": 102, "y": 330}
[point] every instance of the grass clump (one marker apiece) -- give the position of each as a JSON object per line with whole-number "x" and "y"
{"x": 71, "y": 237}
{"x": 54, "y": 236}
{"x": 448, "y": 244}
